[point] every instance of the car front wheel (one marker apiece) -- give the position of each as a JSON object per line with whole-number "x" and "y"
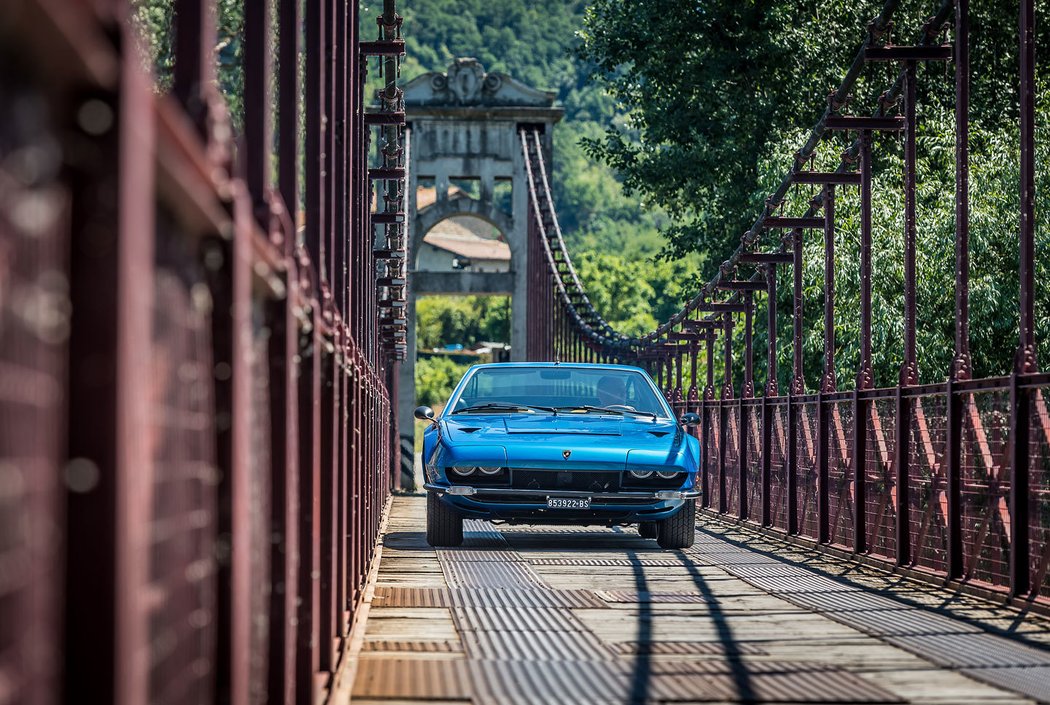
{"x": 444, "y": 524}
{"x": 648, "y": 529}
{"x": 679, "y": 529}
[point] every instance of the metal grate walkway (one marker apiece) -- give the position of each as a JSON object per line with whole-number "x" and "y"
{"x": 604, "y": 616}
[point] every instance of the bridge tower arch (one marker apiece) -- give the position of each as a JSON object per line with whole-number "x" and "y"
{"x": 464, "y": 127}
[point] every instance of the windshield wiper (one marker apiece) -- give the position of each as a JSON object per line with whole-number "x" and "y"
{"x": 501, "y": 406}
{"x": 606, "y": 410}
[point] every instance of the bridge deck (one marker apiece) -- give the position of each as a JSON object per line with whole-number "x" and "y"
{"x": 537, "y": 615}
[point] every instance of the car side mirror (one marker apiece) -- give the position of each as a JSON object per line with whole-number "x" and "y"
{"x": 690, "y": 419}
{"x": 425, "y": 413}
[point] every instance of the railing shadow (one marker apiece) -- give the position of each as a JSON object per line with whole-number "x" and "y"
{"x": 737, "y": 668}
{"x": 907, "y": 592}
{"x": 642, "y": 673}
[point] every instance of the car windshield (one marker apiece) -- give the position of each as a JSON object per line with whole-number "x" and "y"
{"x": 567, "y": 389}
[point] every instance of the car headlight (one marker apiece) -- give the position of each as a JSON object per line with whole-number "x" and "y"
{"x": 489, "y": 470}
{"x": 641, "y": 474}
{"x": 668, "y": 474}
{"x": 463, "y": 472}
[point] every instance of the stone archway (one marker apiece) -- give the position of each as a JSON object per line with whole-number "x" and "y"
{"x": 459, "y": 205}
{"x": 464, "y": 125}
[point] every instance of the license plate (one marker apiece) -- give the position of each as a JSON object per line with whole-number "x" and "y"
{"x": 568, "y": 502}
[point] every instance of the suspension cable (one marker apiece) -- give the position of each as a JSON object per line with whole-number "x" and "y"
{"x": 608, "y": 336}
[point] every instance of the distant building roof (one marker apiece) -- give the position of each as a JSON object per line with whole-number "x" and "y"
{"x": 466, "y": 236}
{"x": 460, "y": 240}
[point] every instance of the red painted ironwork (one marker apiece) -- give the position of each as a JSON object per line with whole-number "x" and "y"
{"x": 841, "y": 491}
{"x": 778, "y": 450}
{"x": 34, "y": 337}
{"x": 198, "y": 361}
{"x": 203, "y": 485}
{"x": 807, "y": 430}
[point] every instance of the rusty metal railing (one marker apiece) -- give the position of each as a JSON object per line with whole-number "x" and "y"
{"x": 947, "y": 481}
{"x": 196, "y": 343}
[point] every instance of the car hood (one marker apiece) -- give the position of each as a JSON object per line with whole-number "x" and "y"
{"x": 585, "y": 441}
{"x": 585, "y": 436}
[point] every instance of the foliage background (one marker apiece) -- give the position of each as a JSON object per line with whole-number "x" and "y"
{"x": 682, "y": 117}
{"x": 720, "y": 94}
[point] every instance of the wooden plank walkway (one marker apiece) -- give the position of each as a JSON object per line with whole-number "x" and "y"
{"x": 552, "y": 615}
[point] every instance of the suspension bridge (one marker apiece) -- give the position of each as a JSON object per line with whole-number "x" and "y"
{"x": 203, "y": 321}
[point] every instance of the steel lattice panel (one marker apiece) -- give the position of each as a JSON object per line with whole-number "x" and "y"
{"x": 778, "y": 468}
{"x": 712, "y": 454}
{"x": 753, "y": 462}
{"x": 986, "y": 487}
{"x": 880, "y": 477}
{"x": 806, "y": 481}
{"x": 1039, "y": 492}
{"x": 841, "y": 489}
{"x": 927, "y": 482}
{"x": 732, "y": 462}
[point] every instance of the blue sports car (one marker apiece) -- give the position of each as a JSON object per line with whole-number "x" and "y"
{"x": 554, "y": 443}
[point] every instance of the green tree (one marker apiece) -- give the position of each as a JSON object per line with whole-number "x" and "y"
{"x": 635, "y": 295}
{"x": 712, "y": 90}
{"x": 435, "y": 379}
{"x": 718, "y": 97}
{"x": 468, "y": 320}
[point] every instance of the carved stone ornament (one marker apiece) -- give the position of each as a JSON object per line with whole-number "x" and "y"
{"x": 466, "y": 82}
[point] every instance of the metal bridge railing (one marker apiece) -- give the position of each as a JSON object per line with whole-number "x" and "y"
{"x": 947, "y": 481}
{"x": 195, "y": 417}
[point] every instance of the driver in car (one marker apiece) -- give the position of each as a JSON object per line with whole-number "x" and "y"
{"x": 612, "y": 391}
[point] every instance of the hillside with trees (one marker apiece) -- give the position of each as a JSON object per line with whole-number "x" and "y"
{"x": 681, "y": 118}
{"x": 721, "y": 94}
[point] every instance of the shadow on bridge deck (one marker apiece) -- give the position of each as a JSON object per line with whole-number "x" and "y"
{"x": 577, "y": 615}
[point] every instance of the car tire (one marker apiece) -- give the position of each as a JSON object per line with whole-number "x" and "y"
{"x": 679, "y": 529}
{"x": 648, "y": 529}
{"x": 444, "y": 524}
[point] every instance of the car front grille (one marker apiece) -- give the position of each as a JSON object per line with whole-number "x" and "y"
{"x": 541, "y": 499}
{"x": 577, "y": 480}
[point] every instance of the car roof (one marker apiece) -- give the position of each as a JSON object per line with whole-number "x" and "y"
{"x": 584, "y": 365}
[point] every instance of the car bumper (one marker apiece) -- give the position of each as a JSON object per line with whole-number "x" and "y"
{"x": 530, "y": 505}
{"x": 480, "y": 492}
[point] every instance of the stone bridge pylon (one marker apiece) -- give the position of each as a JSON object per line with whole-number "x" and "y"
{"x": 465, "y": 159}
